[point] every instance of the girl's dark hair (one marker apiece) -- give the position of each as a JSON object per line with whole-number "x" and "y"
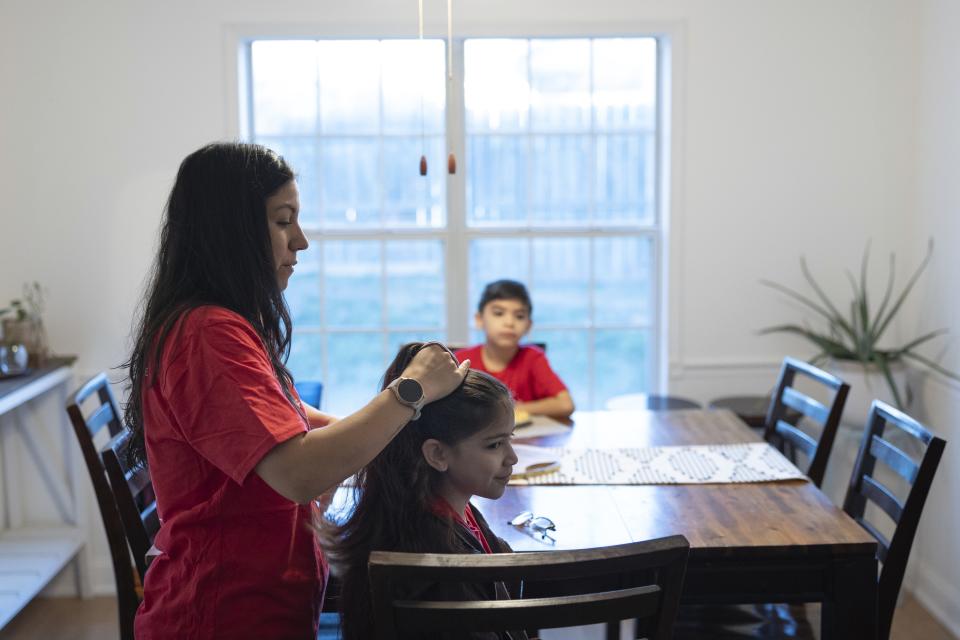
{"x": 214, "y": 249}
{"x": 505, "y": 290}
{"x": 393, "y": 493}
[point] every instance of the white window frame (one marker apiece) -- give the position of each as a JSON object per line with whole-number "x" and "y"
{"x": 666, "y": 356}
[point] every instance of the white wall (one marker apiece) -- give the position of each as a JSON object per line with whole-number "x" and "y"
{"x": 794, "y": 136}
{"x": 936, "y": 559}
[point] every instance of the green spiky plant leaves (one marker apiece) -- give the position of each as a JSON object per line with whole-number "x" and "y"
{"x": 856, "y": 335}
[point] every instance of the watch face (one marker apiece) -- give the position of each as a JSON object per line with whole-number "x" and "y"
{"x": 410, "y": 390}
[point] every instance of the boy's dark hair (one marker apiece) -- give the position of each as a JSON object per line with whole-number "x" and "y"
{"x": 214, "y": 250}
{"x": 505, "y": 290}
{"x": 393, "y": 494}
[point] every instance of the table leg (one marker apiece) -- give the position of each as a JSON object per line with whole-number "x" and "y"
{"x": 852, "y": 614}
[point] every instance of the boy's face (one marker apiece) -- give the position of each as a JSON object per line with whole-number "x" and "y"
{"x": 504, "y": 322}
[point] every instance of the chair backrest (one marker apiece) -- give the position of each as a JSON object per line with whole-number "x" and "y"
{"x": 133, "y": 492}
{"x": 781, "y": 433}
{"x": 865, "y": 486}
{"x": 639, "y": 580}
{"x": 310, "y": 391}
{"x": 87, "y": 427}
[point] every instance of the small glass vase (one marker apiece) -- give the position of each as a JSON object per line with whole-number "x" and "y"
{"x": 31, "y": 334}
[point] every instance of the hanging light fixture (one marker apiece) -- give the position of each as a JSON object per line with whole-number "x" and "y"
{"x": 451, "y": 159}
{"x": 423, "y": 144}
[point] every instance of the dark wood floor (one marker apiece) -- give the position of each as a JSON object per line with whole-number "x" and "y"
{"x": 96, "y": 619}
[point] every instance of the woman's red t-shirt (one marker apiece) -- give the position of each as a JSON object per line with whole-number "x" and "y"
{"x": 237, "y": 559}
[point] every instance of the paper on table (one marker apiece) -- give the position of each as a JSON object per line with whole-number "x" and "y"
{"x": 532, "y": 461}
{"x": 540, "y": 426}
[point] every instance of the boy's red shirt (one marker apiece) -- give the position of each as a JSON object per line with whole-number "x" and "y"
{"x": 528, "y": 375}
{"x": 237, "y": 559}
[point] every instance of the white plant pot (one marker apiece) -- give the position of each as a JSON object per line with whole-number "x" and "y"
{"x": 865, "y": 387}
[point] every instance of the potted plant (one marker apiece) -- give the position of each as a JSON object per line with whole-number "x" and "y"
{"x": 850, "y": 343}
{"x": 26, "y": 325}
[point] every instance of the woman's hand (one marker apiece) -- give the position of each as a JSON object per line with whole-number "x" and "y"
{"x": 437, "y": 371}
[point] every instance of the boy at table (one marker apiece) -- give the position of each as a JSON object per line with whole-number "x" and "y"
{"x": 505, "y": 315}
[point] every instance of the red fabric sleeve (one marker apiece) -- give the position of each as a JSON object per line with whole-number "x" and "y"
{"x": 546, "y": 382}
{"x": 232, "y": 409}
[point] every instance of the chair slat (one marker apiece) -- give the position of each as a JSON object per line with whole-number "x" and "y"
{"x": 138, "y": 480}
{"x": 894, "y": 458}
{"x": 883, "y": 545}
{"x": 805, "y": 405}
{"x": 882, "y": 497}
{"x": 799, "y": 439}
{"x": 151, "y": 520}
{"x": 100, "y": 418}
{"x": 540, "y": 613}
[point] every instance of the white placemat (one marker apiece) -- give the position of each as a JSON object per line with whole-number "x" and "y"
{"x": 699, "y": 464}
{"x": 541, "y": 426}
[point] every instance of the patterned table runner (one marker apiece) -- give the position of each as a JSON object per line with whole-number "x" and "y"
{"x": 696, "y": 464}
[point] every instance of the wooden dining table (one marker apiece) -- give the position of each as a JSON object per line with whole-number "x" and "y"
{"x": 780, "y": 541}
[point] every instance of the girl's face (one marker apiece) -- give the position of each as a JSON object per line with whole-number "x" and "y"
{"x": 286, "y": 236}
{"x": 480, "y": 465}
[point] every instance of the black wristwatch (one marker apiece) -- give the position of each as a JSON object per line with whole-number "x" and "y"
{"x": 409, "y": 392}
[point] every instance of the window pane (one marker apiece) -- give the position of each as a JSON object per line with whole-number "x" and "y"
{"x": 494, "y": 259}
{"x": 301, "y": 154}
{"x": 560, "y": 187}
{"x": 357, "y": 363}
{"x": 496, "y": 85}
{"x": 569, "y": 355}
{"x": 350, "y": 182}
{"x": 622, "y": 363}
{"x": 560, "y": 84}
{"x": 411, "y": 70}
{"x": 284, "y": 78}
{"x": 412, "y": 200}
{"x": 625, "y": 83}
{"x": 496, "y": 180}
{"x": 303, "y": 290}
{"x": 623, "y": 281}
{"x": 415, "y": 287}
{"x": 624, "y": 185}
{"x": 352, "y": 282}
{"x": 349, "y": 86}
{"x": 561, "y": 281}
{"x": 306, "y": 356}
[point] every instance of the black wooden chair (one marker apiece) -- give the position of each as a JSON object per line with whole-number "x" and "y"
{"x": 866, "y": 487}
{"x": 87, "y": 428}
{"x": 133, "y": 492}
{"x": 781, "y": 430}
{"x": 606, "y": 584}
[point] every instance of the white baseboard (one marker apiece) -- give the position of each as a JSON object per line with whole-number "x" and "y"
{"x": 938, "y": 597}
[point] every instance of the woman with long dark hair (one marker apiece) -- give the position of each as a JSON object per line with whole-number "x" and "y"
{"x": 415, "y": 496}
{"x": 235, "y": 457}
